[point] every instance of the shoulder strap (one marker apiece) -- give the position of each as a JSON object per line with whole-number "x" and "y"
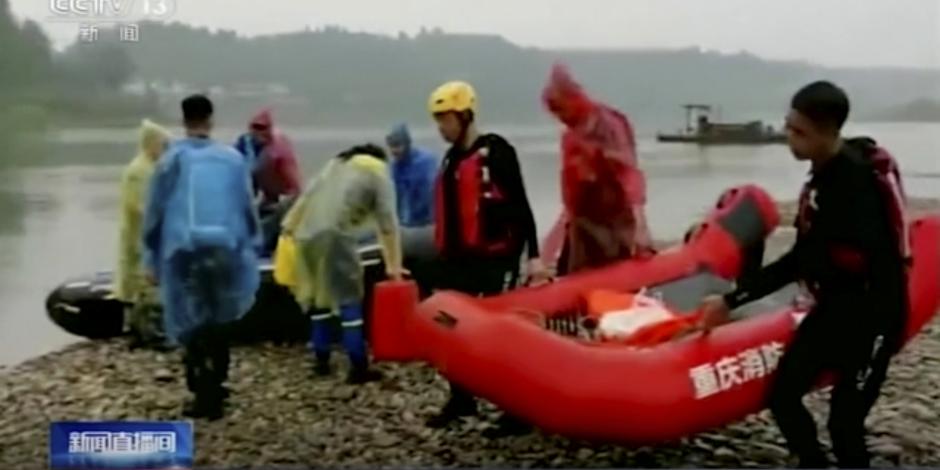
{"x": 889, "y": 178}
{"x": 887, "y": 166}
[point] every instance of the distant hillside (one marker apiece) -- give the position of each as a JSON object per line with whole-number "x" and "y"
{"x": 344, "y": 77}
{"x": 39, "y": 86}
{"x": 923, "y": 110}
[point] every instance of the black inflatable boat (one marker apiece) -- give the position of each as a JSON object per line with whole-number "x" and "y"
{"x": 85, "y": 306}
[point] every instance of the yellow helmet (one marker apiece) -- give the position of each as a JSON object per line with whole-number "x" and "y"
{"x": 453, "y": 96}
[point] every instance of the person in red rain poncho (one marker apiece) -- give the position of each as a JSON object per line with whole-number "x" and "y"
{"x": 603, "y": 189}
{"x": 275, "y": 172}
{"x": 271, "y": 157}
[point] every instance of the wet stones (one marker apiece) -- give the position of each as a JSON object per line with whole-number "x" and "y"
{"x": 280, "y": 416}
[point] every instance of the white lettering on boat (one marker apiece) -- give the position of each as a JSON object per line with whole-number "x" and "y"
{"x": 728, "y": 372}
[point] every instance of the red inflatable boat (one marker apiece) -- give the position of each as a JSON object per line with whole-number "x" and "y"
{"x": 599, "y": 391}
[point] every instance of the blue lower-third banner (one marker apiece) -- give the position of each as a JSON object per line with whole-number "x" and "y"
{"x": 119, "y": 445}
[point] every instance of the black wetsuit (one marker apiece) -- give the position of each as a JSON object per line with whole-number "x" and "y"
{"x": 467, "y": 271}
{"x": 847, "y": 254}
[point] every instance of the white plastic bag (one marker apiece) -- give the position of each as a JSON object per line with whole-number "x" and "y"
{"x": 621, "y": 324}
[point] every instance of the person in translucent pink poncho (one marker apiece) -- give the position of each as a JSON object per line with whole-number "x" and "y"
{"x": 603, "y": 189}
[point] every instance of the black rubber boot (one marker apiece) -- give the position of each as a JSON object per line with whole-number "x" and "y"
{"x": 816, "y": 460}
{"x": 361, "y": 374}
{"x": 209, "y": 401}
{"x": 321, "y": 366}
{"x": 507, "y": 426}
{"x": 208, "y": 408}
{"x": 136, "y": 342}
{"x": 209, "y": 394}
{"x": 452, "y": 411}
{"x": 160, "y": 346}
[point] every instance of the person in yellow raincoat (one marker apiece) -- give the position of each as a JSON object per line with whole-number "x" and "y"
{"x": 144, "y": 318}
{"x": 352, "y": 192}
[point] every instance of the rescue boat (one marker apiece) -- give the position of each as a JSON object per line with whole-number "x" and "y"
{"x": 502, "y": 348}
{"x": 85, "y": 306}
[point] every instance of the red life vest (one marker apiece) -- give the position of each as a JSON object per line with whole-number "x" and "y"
{"x": 891, "y": 189}
{"x": 476, "y": 193}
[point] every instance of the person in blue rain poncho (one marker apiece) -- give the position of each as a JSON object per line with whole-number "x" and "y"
{"x": 414, "y": 171}
{"x": 200, "y": 236}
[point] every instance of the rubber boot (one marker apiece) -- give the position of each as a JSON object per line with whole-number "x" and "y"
{"x": 208, "y": 401}
{"x": 209, "y": 405}
{"x": 361, "y": 373}
{"x": 817, "y": 462}
{"x": 507, "y": 426}
{"x": 221, "y": 360}
{"x": 459, "y": 405}
{"x": 355, "y": 345}
{"x": 321, "y": 366}
{"x": 322, "y": 338}
{"x": 814, "y": 458}
{"x": 136, "y": 342}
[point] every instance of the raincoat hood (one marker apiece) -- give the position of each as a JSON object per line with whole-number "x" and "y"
{"x": 273, "y": 162}
{"x": 565, "y": 97}
{"x": 603, "y": 188}
{"x": 414, "y": 174}
{"x": 399, "y": 135}
{"x": 150, "y": 134}
{"x": 263, "y": 118}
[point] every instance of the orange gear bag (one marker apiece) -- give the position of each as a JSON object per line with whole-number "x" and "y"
{"x": 634, "y": 319}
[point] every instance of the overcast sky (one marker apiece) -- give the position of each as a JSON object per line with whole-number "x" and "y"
{"x": 832, "y": 32}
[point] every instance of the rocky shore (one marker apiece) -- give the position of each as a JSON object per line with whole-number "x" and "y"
{"x": 281, "y": 416}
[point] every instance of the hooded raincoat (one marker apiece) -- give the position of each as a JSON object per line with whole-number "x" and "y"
{"x": 414, "y": 174}
{"x": 274, "y": 166}
{"x": 603, "y": 189}
{"x": 326, "y": 223}
{"x": 130, "y": 281}
{"x": 201, "y": 233}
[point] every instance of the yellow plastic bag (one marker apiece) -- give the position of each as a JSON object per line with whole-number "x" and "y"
{"x": 285, "y": 261}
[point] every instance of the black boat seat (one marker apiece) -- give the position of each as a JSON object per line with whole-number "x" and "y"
{"x": 685, "y": 295}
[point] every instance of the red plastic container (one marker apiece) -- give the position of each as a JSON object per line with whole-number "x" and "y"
{"x": 393, "y": 302}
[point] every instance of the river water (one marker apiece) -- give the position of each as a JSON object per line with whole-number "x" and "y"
{"x": 58, "y": 199}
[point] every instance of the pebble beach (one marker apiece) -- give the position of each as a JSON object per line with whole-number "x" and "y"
{"x": 280, "y": 416}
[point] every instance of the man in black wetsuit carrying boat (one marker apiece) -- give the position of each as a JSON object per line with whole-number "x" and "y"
{"x": 483, "y": 221}
{"x": 850, "y": 255}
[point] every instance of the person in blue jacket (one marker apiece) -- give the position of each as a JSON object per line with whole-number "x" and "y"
{"x": 414, "y": 172}
{"x": 200, "y": 236}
